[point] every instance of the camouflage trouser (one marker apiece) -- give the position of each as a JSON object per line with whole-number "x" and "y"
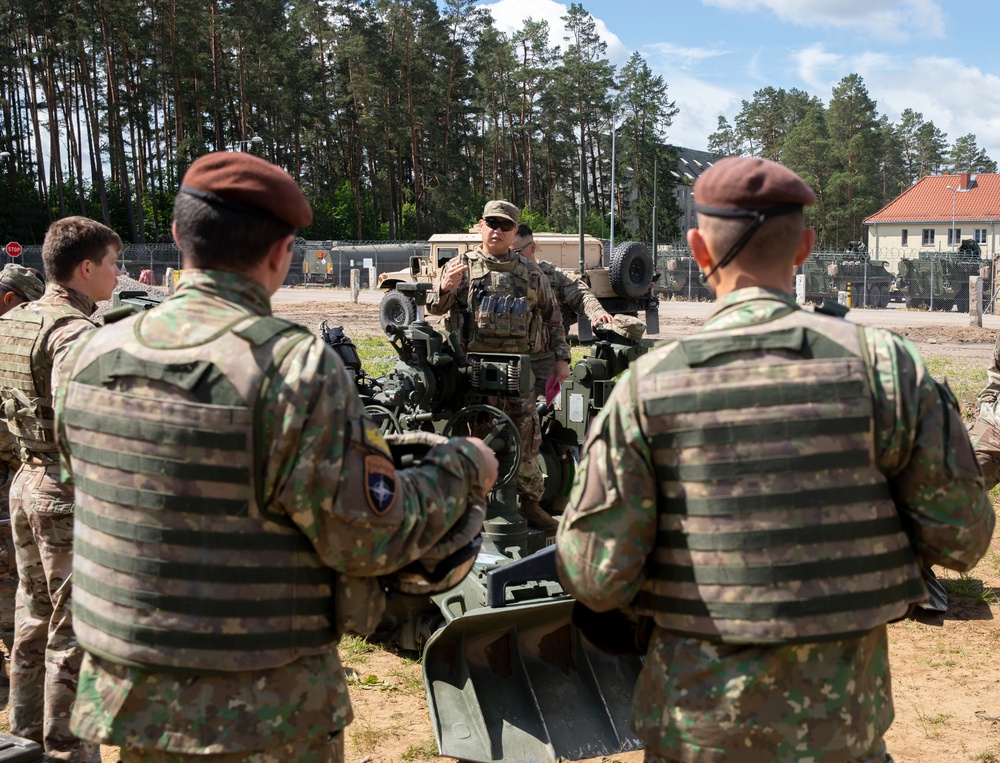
{"x": 328, "y": 749}
{"x": 7, "y": 472}
{"x": 45, "y": 660}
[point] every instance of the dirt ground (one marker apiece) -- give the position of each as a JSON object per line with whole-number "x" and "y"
{"x": 946, "y": 671}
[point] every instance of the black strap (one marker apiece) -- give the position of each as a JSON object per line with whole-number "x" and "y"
{"x": 757, "y": 218}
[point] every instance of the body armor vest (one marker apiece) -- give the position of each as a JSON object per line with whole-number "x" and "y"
{"x": 178, "y": 563}
{"x": 774, "y": 523}
{"x": 501, "y": 308}
{"x": 26, "y": 377}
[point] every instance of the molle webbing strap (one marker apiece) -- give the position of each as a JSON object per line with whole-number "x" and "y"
{"x": 142, "y": 464}
{"x": 754, "y": 396}
{"x": 791, "y": 536}
{"x": 200, "y": 605}
{"x": 156, "y": 501}
{"x": 218, "y": 573}
{"x": 243, "y": 642}
{"x": 727, "y": 470}
{"x": 786, "y": 573}
{"x": 771, "y": 610}
{"x": 154, "y": 431}
{"x": 799, "y": 500}
{"x": 768, "y": 430}
{"x": 236, "y": 541}
{"x": 200, "y": 378}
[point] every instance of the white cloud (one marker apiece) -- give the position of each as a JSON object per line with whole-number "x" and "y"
{"x": 900, "y": 18}
{"x": 678, "y": 55}
{"x": 818, "y": 69}
{"x": 509, "y": 16}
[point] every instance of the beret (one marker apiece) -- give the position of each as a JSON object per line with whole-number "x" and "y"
{"x": 501, "y": 208}
{"x": 751, "y": 183}
{"x": 22, "y": 282}
{"x": 244, "y": 183}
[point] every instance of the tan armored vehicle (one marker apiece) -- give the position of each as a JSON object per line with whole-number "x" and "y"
{"x": 623, "y": 285}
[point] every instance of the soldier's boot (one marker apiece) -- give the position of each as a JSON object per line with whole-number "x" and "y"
{"x": 536, "y": 516}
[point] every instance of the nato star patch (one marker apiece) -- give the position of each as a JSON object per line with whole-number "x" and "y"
{"x": 380, "y": 484}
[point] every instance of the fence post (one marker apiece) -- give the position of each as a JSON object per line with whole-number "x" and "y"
{"x": 355, "y": 284}
{"x": 975, "y": 301}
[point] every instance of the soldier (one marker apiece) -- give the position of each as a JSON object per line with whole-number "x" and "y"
{"x": 760, "y": 494}
{"x": 80, "y": 257}
{"x": 18, "y": 285}
{"x": 572, "y": 294}
{"x": 229, "y": 485}
{"x": 494, "y": 275}
{"x": 986, "y": 431}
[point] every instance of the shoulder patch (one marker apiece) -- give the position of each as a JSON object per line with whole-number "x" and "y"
{"x": 380, "y": 484}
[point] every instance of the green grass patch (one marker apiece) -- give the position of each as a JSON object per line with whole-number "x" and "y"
{"x": 355, "y": 649}
{"x": 426, "y": 749}
{"x": 968, "y": 587}
{"x": 965, "y": 376}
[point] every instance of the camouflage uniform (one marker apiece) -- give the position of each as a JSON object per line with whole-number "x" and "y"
{"x": 45, "y": 658}
{"x": 574, "y": 299}
{"x": 733, "y": 697}
{"x": 986, "y": 431}
{"x": 521, "y": 278}
{"x": 320, "y": 474}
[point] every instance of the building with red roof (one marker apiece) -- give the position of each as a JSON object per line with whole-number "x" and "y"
{"x": 936, "y": 214}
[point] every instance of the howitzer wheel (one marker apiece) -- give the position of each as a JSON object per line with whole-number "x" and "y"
{"x": 493, "y": 426}
{"x": 386, "y": 419}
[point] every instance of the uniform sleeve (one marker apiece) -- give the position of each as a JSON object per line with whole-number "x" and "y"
{"x": 438, "y": 303}
{"x": 609, "y": 528}
{"x": 552, "y": 316}
{"x": 986, "y": 431}
{"x": 924, "y": 450}
{"x": 329, "y": 470}
{"x": 60, "y": 341}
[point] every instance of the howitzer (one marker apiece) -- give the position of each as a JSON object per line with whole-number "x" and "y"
{"x": 508, "y": 675}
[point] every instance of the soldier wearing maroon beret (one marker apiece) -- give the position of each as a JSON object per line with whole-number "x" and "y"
{"x": 235, "y": 503}
{"x": 759, "y": 497}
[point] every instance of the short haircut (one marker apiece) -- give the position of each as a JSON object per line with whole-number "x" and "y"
{"x": 216, "y": 238}
{"x": 779, "y": 237}
{"x": 524, "y": 231}
{"x": 71, "y": 240}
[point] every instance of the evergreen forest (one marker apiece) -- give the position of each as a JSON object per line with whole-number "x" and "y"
{"x": 399, "y": 118}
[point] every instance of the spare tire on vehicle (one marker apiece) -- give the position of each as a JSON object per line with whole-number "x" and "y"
{"x": 631, "y": 271}
{"x": 396, "y": 308}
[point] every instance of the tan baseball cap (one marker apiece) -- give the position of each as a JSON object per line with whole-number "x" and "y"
{"x": 22, "y": 282}
{"x": 503, "y": 209}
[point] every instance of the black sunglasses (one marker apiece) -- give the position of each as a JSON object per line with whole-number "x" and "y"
{"x": 495, "y": 222}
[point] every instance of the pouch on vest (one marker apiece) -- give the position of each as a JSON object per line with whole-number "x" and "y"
{"x": 484, "y": 318}
{"x": 503, "y": 316}
{"x": 519, "y": 318}
{"x": 358, "y": 605}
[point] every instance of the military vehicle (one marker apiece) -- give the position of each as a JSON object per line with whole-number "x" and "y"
{"x": 940, "y": 280}
{"x": 682, "y": 279}
{"x": 868, "y": 281}
{"x": 625, "y": 285}
{"x": 509, "y": 676}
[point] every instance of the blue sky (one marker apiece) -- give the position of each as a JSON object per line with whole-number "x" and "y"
{"x": 933, "y": 57}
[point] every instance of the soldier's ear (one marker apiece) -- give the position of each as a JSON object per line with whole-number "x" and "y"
{"x": 699, "y": 248}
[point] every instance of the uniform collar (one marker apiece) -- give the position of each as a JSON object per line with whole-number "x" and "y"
{"x": 228, "y": 286}
{"x": 59, "y": 294}
{"x": 750, "y": 305}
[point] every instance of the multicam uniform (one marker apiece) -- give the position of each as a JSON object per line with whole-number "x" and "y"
{"x": 986, "y": 431}
{"x": 571, "y": 293}
{"x": 208, "y": 423}
{"x": 45, "y": 659}
{"x": 505, "y": 304}
{"x": 735, "y": 490}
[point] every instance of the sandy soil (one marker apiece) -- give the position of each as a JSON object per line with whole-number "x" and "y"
{"x": 946, "y": 675}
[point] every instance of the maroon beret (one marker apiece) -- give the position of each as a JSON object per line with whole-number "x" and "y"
{"x": 244, "y": 183}
{"x": 738, "y": 182}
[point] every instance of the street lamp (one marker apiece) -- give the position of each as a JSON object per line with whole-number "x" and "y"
{"x": 954, "y": 195}
{"x": 628, "y": 114}
{"x": 256, "y": 140}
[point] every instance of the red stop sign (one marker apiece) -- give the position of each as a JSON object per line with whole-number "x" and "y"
{"x": 13, "y": 249}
